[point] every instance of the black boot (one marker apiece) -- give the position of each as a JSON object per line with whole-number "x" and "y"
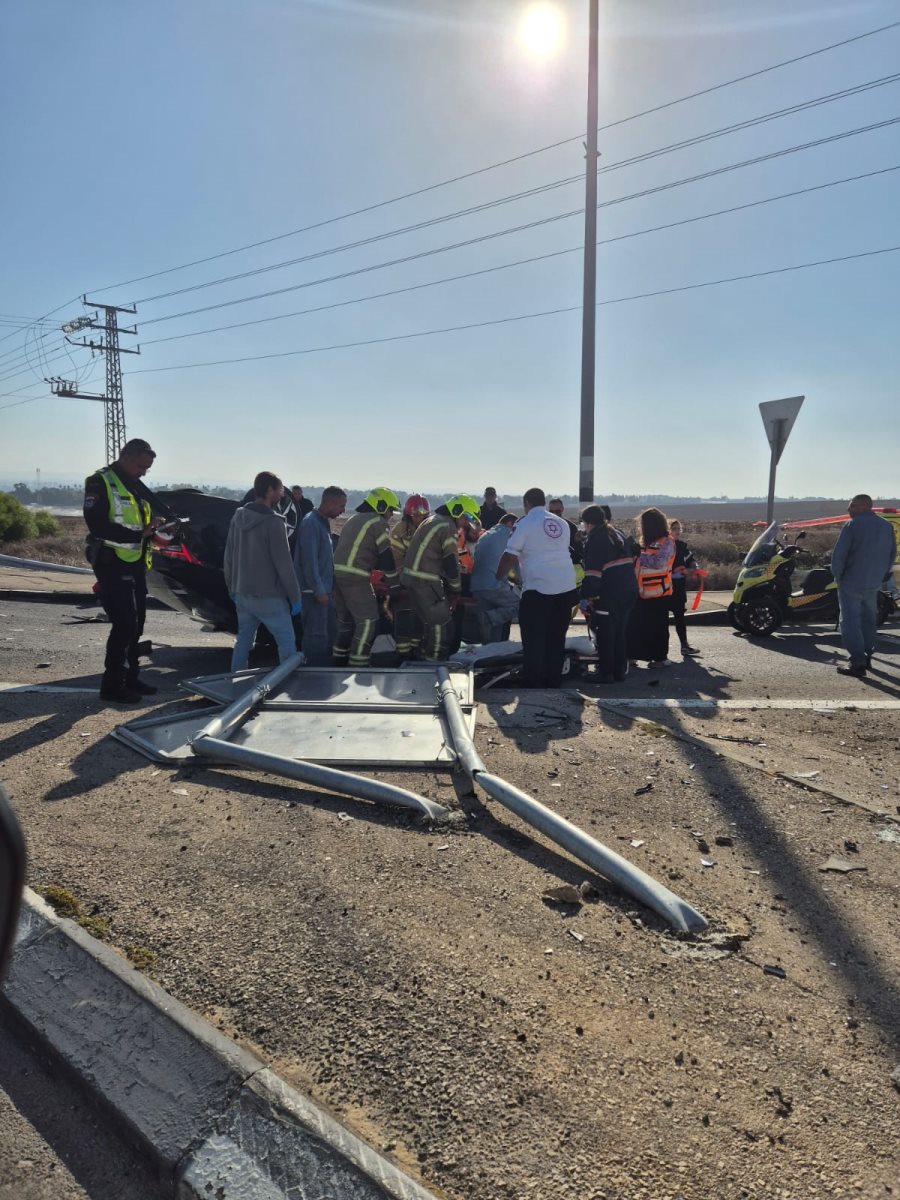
{"x": 115, "y": 691}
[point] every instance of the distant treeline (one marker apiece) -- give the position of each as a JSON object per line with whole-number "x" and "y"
{"x": 72, "y": 496}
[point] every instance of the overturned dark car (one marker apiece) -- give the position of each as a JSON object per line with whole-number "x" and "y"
{"x": 188, "y": 572}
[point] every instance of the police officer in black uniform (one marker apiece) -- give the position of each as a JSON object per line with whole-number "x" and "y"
{"x": 117, "y": 511}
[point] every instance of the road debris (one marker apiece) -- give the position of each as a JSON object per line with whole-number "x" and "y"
{"x": 573, "y": 933}
{"x": 642, "y": 791}
{"x": 778, "y": 972}
{"x": 636, "y": 843}
{"x": 564, "y": 894}
{"x": 707, "y": 862}
{"x": 724, "y": 839}
{"x": 345, "y": 817}
{"x": 841, "y": 865}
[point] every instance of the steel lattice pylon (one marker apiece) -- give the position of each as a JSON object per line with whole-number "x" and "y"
{"x": 113, "y": 399}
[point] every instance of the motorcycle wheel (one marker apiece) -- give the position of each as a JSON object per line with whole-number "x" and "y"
{"x": 736, "y": 617}
{"x": 762, "y": 617}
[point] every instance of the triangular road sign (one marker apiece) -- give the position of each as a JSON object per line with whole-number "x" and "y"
{"x": 778, "y": 418}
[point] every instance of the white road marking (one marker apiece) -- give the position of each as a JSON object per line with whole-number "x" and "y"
{"x": 694, "y": 702}
{"x": 48, "y": 689}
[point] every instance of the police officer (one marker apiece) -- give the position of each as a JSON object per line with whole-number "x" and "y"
{"x": 117, "y": 511}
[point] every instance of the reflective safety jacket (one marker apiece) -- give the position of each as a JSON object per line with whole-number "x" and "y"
{"x": 433, "y": 554}
{"x": 401, "y": 536}
{"x": 466, "y": 556}
{"x": 363, "y": 547}
{"x": 653, "y": 568}
{"x": 116, "y": 517}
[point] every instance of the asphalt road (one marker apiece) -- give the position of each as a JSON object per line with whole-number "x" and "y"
{"x": 418, "y": 984}
{"x": 54, "y": 644}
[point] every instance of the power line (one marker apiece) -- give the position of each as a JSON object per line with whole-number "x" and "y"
{"x": 507, "y": 161}
{"x": 539, "y": 222}
{"x": 523, "y": 261}
{"x": 646, "y": 156}
{"x": 402, "y": 337}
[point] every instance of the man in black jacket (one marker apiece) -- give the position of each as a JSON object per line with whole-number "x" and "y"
{"x": 117, "y": 511}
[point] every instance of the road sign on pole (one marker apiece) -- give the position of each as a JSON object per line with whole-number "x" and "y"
{"x": 778, "y": 419}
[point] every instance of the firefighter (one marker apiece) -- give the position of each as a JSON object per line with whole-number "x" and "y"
{"x": 415, "y": 510}
{"x": 117, "y": 512}
{"x": 431, "y": 572}
{"x": 407, "y": 628}
{"x": 363, "y": 547}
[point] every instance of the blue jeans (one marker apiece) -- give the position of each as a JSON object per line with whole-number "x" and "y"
{"x": 272, "y": 611}
{"x": 496, "y": 608}
{"x": 319, "y": 628}
{"x": 859, "y": 621}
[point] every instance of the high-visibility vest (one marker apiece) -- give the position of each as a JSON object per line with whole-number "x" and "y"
{"x": 466, "y": 558}
{"x": 654, "y": 582}
{"x": 126, "y": 510}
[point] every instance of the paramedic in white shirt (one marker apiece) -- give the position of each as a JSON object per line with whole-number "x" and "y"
{"x": 539, "y": 546}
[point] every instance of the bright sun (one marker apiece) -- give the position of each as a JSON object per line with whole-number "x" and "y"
{"x": 542, "y": 30}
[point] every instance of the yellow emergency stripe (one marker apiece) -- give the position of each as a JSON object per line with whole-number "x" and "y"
{"x": 448, "y": 547}
{"x": 346, "y": 567}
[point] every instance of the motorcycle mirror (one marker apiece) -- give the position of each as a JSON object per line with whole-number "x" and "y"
{"x": 801, "y": 535}
{"x": 12, "y": 878}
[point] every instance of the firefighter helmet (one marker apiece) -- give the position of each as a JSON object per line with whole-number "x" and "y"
{"x": 382, "y": 499}
{"x": 416, "y": 505}
{"x": 463, "y": 506}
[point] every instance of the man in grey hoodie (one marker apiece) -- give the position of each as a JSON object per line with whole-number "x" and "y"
{"x": 259, "y": 572}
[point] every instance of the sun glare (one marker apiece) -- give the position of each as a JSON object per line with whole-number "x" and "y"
{"x": 542, "y": 30}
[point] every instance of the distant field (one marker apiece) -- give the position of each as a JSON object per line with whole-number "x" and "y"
{"x": 733, "y": 510}
{"x": 719, "y": 534}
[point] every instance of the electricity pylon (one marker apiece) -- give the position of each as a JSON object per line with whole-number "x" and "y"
{"x": 108, "y": 345}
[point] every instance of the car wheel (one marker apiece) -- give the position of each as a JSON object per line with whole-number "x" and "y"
{"x": 886, "y": 607}
{"x": 762, "y": 617}
{"x": 736, "y": 617}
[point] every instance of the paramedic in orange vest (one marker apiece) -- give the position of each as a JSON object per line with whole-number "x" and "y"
{"x": 648, "y": 628}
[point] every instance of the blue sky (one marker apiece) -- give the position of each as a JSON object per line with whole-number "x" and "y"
{"x": 140, "y": 137}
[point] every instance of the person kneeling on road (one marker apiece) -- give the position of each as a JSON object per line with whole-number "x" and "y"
{"x": 431, "y": 573}
{"x": 540, "y": 545}
{"x": 497, "y": 600}
{"x": 259, "y": 572}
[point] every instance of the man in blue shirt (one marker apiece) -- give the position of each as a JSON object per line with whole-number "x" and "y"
{"x": 863, "y": 556}
{"x": 498, "y": 603}
{"x": 314, "y": 564}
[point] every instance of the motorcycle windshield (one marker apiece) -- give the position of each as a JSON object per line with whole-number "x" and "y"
{"x": 763, "y": 548}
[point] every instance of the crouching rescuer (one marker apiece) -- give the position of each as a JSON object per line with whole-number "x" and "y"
{"x": 363, "y": 547}
{"x": 431, "y": 573}
{"x": 117, "y": 511}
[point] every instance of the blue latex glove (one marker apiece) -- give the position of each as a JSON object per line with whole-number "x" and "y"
{"x": 295, "y": 609}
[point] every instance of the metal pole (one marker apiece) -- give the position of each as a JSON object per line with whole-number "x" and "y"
{"x": 343, "y": 782}
{"x": 224, "y": 723}
{"x": 631, "y": 879}
{"x": 777, "y": 447}
{"x": 589, "y": 311}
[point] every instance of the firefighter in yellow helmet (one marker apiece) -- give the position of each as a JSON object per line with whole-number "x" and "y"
{"x": 363, "y": 547}
{"x": 431, "y": 573}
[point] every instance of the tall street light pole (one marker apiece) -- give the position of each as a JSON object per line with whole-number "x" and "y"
{"x": 589, "y": 314}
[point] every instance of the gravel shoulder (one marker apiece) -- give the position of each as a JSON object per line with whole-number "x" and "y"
{"x": 416, "y": 983}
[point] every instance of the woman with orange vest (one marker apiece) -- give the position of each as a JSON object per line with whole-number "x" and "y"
{"x": 648, "y": 629}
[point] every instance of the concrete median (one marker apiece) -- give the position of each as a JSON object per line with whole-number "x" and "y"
{"x": 212, "y": 1118}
